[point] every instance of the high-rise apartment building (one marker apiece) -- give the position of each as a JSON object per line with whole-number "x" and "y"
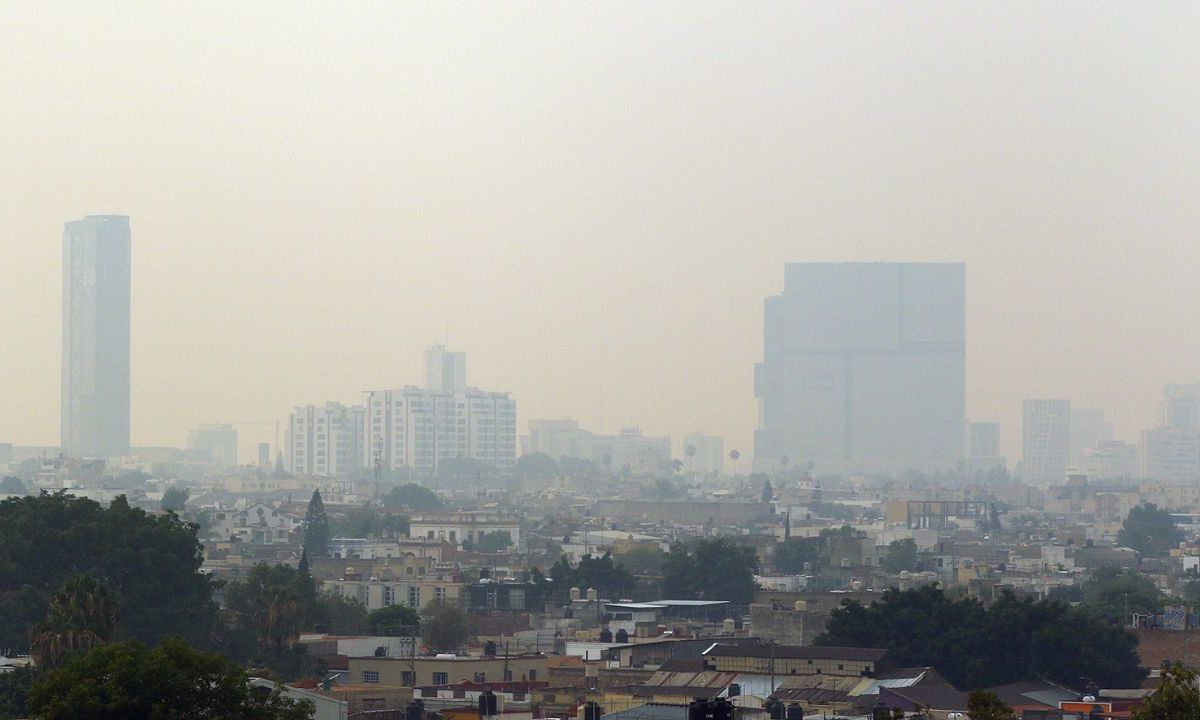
{"x": 95, "y": 337}
{"x": 1046, "y": 441}
{"x": 1171, "y": 452}
{"x": 326, "y": 441}
{"x": 215, "y": 443}
{"x": 421, "y": 427}
{"x": 864, "y": 368}
{"x": 984, "y": 440}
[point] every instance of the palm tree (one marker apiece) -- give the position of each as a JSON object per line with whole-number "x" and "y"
{"x": 82, "y": 614}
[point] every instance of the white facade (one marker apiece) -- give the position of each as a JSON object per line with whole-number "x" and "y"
{"x": 1047, "y": 441}
{"x": 326, "y": 441}
{"x": 459, "y": 527}
{"x": 420, "y": 428}
{"x": 95, "y": 337}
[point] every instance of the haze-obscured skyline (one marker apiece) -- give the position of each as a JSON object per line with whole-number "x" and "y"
{"x": 593, "y": 201}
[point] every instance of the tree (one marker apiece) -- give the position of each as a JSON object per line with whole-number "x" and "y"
{"x": 985, "y": 705}
{"x": 443, "y": 626}
{"x": 1010, "y": 641}
{"x": 272, "y": 603}
{"x": 901, "y": 555}
{"x": 317, "y": 535}
{"x": 768, "y": 492}
{"x": 414, "y": 497}
{"x": 536, "y": 465}
{"x": 1111, "y": 590}
{"x": 12, "y": 485}
{"x": 366, "y": 521}
{"x": 792, "y": 555}
{"x": 494, "y": 542}
{"x": 174, "y": 498}
{"x": 601, "y": 573}
{"x": 1177, "y": 696}
{"x": 1150, "y": 531}
{"x": 393, "y": 621}
{"x": 14, "y": 692}
{"x": 173, "y": 680}
{"x": 712, "y": 569}
{"x": 82, "y": 614}
{"x": 641, "y": 560}
{"x": 148, "y": 563}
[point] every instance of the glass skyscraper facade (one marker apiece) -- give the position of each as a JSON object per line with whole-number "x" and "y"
{"x": 95, "y": 336}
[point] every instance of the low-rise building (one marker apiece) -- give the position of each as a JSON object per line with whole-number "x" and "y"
{"x": 447, "y": 669}
{"x": 458, "y": 528}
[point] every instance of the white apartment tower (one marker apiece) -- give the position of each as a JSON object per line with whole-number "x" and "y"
{"x": 326, "y": 441}
{"x": 420, "y": 427}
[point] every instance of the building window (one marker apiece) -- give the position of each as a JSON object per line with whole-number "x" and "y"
{"x": 441, "y": 678}
{"x": 480, "y": 677}
{"x": 533, "y": 676}
{"x": 370, "y": 677}
{"x": 406, "y": 678}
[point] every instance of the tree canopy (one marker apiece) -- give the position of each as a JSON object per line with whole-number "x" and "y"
{"x": 986, "y": 705}
{"x": 1177, "y": 696}
{"x": 791, "y": 556}
{"x": 973, "y": 646}
{"x": 393, "y": 621}
{"x": 12, "y": 485}
{"x": 443, "y": 626}
{"x": 174, "y": 498}
{"x": 148, "y": 564}
{"x": 1110, "y": 591}
{"x": 128, "y": 680}
{"x": 366, "y": 521}
{"x": 494, "y": 542}
{"x": 711, "y": 569}
{"x": 601, "y": 573}
{"x": 1150, "y": 531}
{"x": 414, "y": 497}
{"x": 901, "y": 555}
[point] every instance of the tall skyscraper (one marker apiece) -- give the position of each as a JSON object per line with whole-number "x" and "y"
{"x": 95, "y": 337}
{"x": 445, "y": 371}
{"x": 1047, "y": 441}
{"x": 864, "y": 368}
{"x": 1171, "y": 452}
{"x": 985, "y": 440}
{"x": 1088, "y": 429}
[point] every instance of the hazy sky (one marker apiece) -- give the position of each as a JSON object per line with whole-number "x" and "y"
{"x": 592, "y": 200}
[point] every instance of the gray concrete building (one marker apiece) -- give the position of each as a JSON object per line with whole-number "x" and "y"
{"x": 864, "y": 368}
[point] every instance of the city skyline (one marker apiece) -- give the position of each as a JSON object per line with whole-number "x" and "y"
{"x": 590, "y": 211}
